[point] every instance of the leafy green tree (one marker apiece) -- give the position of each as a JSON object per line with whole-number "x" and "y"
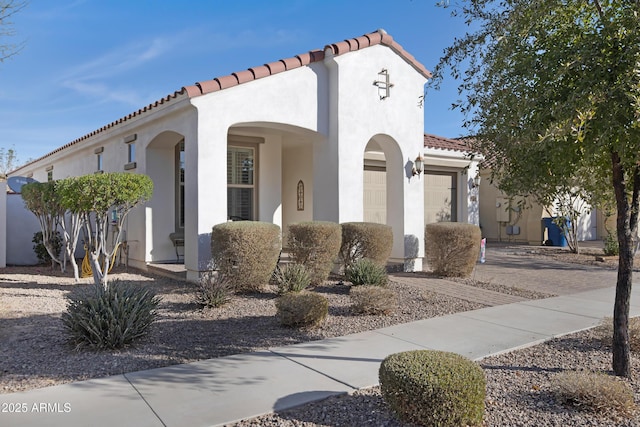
{"x": 42, "y": 200}
{"x": 552, "y": 89}
{"x": 95, "y": 198}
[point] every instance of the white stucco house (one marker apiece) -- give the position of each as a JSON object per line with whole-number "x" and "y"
{"x": 332, "y": 134}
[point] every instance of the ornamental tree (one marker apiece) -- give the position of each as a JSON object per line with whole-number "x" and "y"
{"x": 95, "y": 198}
{"x": 42, "y": 200}
{"x": 551, "y": 89}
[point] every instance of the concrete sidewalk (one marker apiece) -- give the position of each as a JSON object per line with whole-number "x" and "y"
{"x": 220, "y": 391}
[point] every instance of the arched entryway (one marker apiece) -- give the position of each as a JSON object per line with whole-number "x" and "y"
{"x": 383, "y": 188}
{"x": 165, "y": 165}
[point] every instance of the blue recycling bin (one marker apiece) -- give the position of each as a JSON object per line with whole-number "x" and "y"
{"x": 556, "y": 236}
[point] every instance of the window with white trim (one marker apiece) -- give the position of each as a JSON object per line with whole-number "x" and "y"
{"x": 241, "y": 183}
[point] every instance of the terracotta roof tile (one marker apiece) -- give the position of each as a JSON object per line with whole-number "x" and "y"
{"x": 442, "y": 143}
{"x": 276, "y": 67}
{"x": 260, "y": 72}
{"x": 209, "y": 86}
{"x": 244, "y": 76}
{"x": 224, "y": 82}
{"x": 291, "y": 63}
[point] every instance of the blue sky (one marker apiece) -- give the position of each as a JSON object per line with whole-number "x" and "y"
{"x": 87, "y": 63}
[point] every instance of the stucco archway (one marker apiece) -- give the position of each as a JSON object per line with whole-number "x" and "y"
{"x": 383, "y": 190}
{"x": 164, "y": 157}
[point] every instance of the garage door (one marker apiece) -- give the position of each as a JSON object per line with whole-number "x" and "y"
{"x": 375, "y": 195}
{"x": 440, "y": 197}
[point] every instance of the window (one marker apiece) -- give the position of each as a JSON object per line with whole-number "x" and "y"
{"x": 241, "y": 186}
{"x": 50, "y": 173}
{"x": 98, "y": 152}
{"x": 132, "y": 152}
{"x": 179, "y": 185}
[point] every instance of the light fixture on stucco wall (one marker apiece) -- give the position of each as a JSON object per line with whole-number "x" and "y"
{"x": 417, "y": 166}
{"x": 476, "y": 181}
{"x": 383, "y": 84}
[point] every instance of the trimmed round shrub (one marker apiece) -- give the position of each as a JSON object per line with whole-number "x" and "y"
{"x": 373, "y": 300}
{"x": 365, "y": 240}
{"x": 452, "y": 248}
{"x": 246, "y": 253}
{"x": 315, "y": 245}
{"x": 433, "y": 388}
{"x": 291, "y": 278}
{"x": 366, "y": 272}
{"x": 302, "y": 309}
{"x": 110, "y": 318}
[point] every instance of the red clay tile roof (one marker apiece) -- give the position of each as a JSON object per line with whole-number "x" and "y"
{"x": 350, "y": 45}
{"x": 254, "y": 73}
{"x": 434, "y": 141}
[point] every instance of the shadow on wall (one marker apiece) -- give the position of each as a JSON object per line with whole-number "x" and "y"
{"x": 22, "y": 224}
{"x": 411, "y": 251}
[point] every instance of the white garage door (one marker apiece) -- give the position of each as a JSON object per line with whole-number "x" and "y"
{"x": 375, "y": 195}
{"x": 440, "y": 197}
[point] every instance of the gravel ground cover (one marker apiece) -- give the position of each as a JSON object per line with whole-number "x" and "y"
{"x": 34, "y": 350}
{"x": 519, "y": 392}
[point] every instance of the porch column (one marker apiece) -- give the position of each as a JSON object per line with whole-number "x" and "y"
{"x": 205, "y": 194}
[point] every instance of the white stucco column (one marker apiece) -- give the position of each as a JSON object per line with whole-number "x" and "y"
{"x": 205, "y": 194}
{"x": 472, "y": 195}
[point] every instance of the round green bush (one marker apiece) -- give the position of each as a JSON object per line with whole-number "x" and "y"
{"x": 302, "y": 309}
{"x": 246, "y": 253}
{"x": 433, "y": 388}
{"x": 110, "y": 318}
{"x": 315, "y": 244}
{"x": 452, "y": 248}
{"x": 366, "y": 272}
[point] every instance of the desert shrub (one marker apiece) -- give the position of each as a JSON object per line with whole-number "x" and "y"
{"x": 291, "y": 278}
{"x": 111, "y": 317}
{"x": 595, "y": 392}
{"x": 604, "y": 332}
{"x": 433, "y": 388}
{"x": 214, "y": 290}
{"x": 452, "y": 248}
{"x": 611, "y": 247}
{"x": 366, "y": 272}
{"x": 302, "y": 309}
{"x": 315, "y": 245}
{"x": 246, "y": 253}
{"x": 373, "y": 300}
{"x": 365, "y": 240}
{"x": 39, "y": 249}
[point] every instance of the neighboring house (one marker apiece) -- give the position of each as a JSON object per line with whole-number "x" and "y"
{"x": 503, "y": 220}
{"x": 310, "y": 137}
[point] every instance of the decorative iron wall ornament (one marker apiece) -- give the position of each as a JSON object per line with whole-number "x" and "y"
{"x": 300, "y": 193}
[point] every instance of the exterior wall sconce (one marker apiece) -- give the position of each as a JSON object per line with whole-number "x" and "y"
{"x": 476, "y": 181}
{"x": 417, "y": 166}
{"x": 383, "y": 84}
